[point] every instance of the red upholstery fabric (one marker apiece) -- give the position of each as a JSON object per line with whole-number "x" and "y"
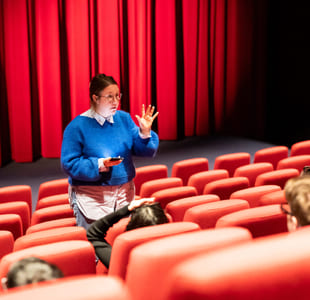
{"x": 167, "y": 195}
{"x": 277, "y": 177}
{"x": 225, "y": 187}
{"x": 90, "y": 287}
{"x": 53, "y": 187}
{"x": 120, "y": 227}
{"x": 65, "y": 222}
{"x": 101, "y": 269}
{"x": 12, "y": 223}
{"x": 296, "y": 162}
{"x": 206, "y": 215}
{"x": 199, "y": 180}
{"x": 52, "y": 200}
{"x": 16, "y": 193}
{"x": 251, "y": 171}
{"x": 125, "y": 242}
{"x": 72, "y": 257}
{"x": 50, "y": 236}
{"x": 185, "y": 168}
{"x": 6, "y": 242}
{"x": 277, "y": 197}
{"x": 177, "y": 208}
{"x": 148, "y": 173}
{"x": 20, "y": 208}
{"x": 261, "y": 221}
{"x": 232, "y": 161}
{"x": 150, "y": 187}
{"x": 271, "y": 154}
{"x": 277, "y": 267}
{"x": 51, "y": 213}
{"x": 151, "y": 263}
{"x": 116, "y": 230}
{"x": 300, "y": 148}
{"x": 253, "y": 194}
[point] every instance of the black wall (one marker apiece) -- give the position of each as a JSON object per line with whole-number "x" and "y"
{"x": 288, "y": 67}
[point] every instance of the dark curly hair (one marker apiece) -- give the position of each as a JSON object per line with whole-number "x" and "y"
{"x": 147, "y": 215}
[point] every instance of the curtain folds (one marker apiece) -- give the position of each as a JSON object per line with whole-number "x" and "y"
{"x": 200, "y": 62}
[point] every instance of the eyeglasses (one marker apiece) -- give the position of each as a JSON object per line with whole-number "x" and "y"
{"x": 111, "y": 98}
{"x": 284, "y": 210}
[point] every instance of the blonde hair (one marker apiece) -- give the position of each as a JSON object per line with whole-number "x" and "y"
{"x": 297, "y": 193}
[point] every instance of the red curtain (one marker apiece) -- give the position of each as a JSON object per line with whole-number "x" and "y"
{"x": 200, "y": 62}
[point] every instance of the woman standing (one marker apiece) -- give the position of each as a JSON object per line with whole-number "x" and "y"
{"x": 97, "y": 151}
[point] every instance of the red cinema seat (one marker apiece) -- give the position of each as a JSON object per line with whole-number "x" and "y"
{"x": 271, "y": 155}
{"x": 167, "y": 195}
{"x": 20, "y": 208}
{"x": 199, "y": 180}
{"x": 232, "y": 161}
{"x": 71, "y": 257}
{"x": 52, "y": 201}
{"x": 50, "y": 236}
{"x": 151, "y": 263}
{"x": 261, "y": 221}
{"x": 147, "y": 173}
{"x": 251, "y": 171}
{"x": 116, "y": 230}
{"x": 12, "y": 223}
{"x": 225, "y": 187}
{"x": 300, "y": 148}
{"x": 276, "y": 177}
{"x": 295, "y": 162}
{"x": 90, "y": 287}
{"x": 185, "y": 168}
{"x": 16, "y": 193}
{"x": 126, "y": 241}
{"x": 150, "y": 187}
{"x": 277, "y": 197}
{"x": 65, "y": 222}
{"x": 120, "y": 227}
{"x": 53, "y": 187}
{"x": 267, "y": 268}
{"x": 51, "y": 213}
{"x": 253, "y": 194}
{"x": 206, "y": 215}
{"x": 177, "y": 208}
{"x": 6, "y": 242}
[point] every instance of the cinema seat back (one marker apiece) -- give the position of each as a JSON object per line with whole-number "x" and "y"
{"x": 90, "y": 287}
{"x": 72, "y": 257}
{"x": 276, "y": 267}
{"x": 150, "y": 264}
{"x": 126, "y": 241}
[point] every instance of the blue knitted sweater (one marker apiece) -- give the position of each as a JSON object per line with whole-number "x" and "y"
{"x": 85, "y": 141}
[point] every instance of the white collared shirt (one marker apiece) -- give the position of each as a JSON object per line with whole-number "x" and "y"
{"x": 91, "y": 113}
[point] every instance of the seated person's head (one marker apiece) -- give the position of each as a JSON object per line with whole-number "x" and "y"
{"x": 297, "y": 193}
{"x": 147, "y": 215}
{"x": 30, "y": 270}
{"x": 305, "y": 171}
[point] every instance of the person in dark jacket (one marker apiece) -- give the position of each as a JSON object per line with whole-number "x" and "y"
{"x": 144, "y": 212}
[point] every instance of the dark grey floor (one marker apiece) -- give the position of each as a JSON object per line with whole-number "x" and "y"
{"x": 169, "y": 152}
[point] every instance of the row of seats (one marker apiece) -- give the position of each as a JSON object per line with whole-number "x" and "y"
{"x": 52, "y": 208}
{"x": 260, "y": 221}
{"x": 195, "y": 210}
{"x": 15, "y": 215}
{"x": 223, "y": 263}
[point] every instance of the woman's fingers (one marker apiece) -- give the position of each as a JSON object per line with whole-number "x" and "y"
{"x": 154, "y": 117}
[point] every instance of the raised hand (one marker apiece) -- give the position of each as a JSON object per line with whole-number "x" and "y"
{"x": 137, "y": 203}
{"x": 146, "y": 119}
